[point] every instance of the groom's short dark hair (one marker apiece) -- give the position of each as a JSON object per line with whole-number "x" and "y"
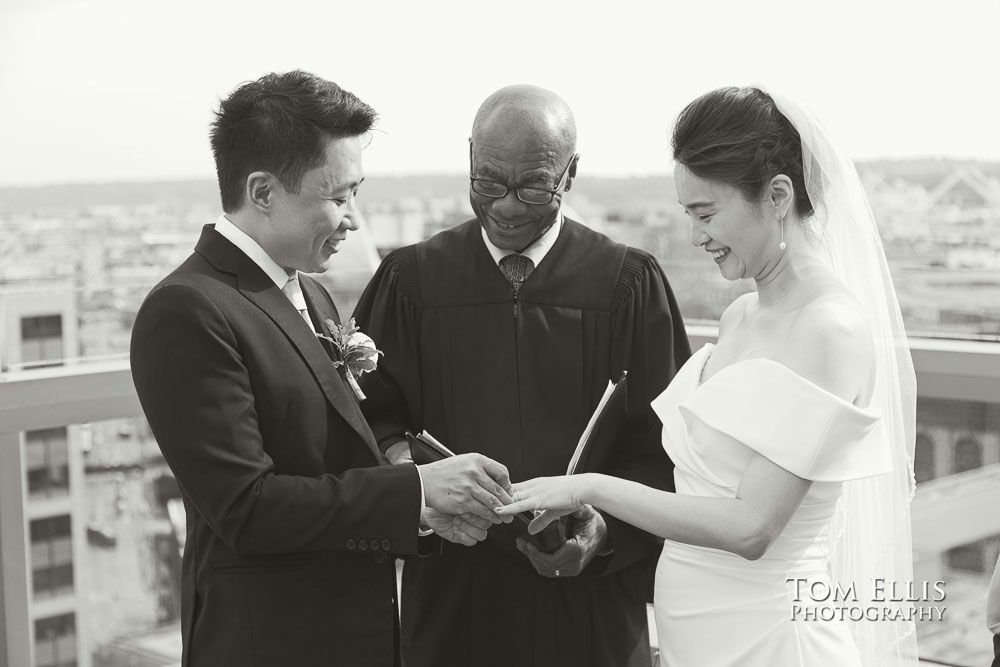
{"x": 279, "y": 124}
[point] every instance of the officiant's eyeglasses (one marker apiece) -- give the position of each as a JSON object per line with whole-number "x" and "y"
{"x": 495, "y": 190}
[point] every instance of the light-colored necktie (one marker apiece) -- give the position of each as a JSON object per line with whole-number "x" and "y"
{"x": 516, "y": 268}
{"x": 293, "y": 291}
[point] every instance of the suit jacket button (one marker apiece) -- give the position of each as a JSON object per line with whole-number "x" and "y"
{"x": 363, "y": 545}
{"x": 380, "y": 557}
{"x": 351, "y": 544}
{"x": 386, "y": 545}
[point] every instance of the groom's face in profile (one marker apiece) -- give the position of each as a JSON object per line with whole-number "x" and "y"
{"x": 308, "y": 226}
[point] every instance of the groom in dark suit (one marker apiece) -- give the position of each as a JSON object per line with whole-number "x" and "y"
{"x": 292, "y": 523}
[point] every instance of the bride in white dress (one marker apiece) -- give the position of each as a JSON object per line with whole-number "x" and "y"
{"x": 793, "y": 436}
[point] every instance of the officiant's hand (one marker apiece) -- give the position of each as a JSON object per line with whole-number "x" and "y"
{"x": 588, "y": 534}
{"x": 467, "y": 484}
{"x": 467, "y": 529}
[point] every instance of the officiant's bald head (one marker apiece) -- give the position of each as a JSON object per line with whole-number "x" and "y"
{"x": 528, "y": 109}
{"x": 522, "y": 159}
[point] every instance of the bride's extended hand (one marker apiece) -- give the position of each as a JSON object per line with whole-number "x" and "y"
{"x": 552, "y": 496}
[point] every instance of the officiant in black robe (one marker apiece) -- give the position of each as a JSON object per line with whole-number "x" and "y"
{"x": 500, "y": 336}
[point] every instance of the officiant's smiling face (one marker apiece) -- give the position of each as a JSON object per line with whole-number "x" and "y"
{"x": 523, "y": 138}
{"x": 735, "y": 232}
{"x": 505, "y": 157}
{"x": 308, "y": 226}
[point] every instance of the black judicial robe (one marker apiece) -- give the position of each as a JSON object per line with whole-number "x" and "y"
{"x": 517, "y": 380}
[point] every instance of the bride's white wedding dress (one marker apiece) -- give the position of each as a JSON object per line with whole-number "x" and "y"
{"x": 714, "y": 608}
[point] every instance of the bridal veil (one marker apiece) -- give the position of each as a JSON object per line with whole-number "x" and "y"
{"x": 870, "y": 535}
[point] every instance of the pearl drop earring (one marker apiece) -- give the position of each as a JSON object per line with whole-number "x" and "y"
{"x": 781, "y": 223}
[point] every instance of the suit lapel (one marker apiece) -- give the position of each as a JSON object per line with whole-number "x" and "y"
{"x": 256, "y": 286}
{"x": 347, "y": 404}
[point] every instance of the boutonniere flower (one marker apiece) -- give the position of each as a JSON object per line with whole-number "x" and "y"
{"x": 356, "y": 351}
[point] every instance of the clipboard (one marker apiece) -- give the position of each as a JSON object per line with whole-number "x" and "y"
{"x": 598, "y": 439}
{"x": 424, "y": 448}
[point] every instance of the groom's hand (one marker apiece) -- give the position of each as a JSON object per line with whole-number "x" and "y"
{"x": 588, "y": 535}
{"x": 467, "y": 529}
{"x": 467, "y": 484}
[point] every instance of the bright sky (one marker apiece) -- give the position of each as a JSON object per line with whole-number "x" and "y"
{"x": 107, "y": 90}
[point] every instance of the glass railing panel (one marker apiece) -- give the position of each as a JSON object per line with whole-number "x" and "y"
{"x": 956, "y": 535}
{"x": 104, "y": 545}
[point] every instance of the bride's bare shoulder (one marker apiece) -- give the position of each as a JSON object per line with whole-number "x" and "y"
{"x": 831, "y": 345}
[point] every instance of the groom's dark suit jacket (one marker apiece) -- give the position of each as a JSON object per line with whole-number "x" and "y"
{"x": 290, "y": 519}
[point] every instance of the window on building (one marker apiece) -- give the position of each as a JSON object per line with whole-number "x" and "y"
{"x": 51, "y": 556}
{"x": 55, "y": 641}
{"x": 41, "y": 341}
{"x": 923, "y": 459}
{"x": 47, "y": 462}
{"x": 968, "y": 455}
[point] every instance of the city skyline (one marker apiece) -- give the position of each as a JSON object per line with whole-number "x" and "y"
{"x": 104, "y": 90}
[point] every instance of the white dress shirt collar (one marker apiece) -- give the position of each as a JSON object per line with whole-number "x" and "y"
{"x": 252, "y": 249}
{"x": 535, "y": 252}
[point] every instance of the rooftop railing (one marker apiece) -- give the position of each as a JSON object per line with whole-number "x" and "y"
{"x": 86, "y": 393}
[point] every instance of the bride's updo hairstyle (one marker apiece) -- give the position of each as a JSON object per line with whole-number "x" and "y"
{"x": 738, "y": 137}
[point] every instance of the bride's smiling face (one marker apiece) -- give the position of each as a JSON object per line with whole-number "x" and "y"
{"x": 735, "y": 233}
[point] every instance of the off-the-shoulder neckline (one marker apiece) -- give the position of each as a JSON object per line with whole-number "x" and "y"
{"x": 707, "y": 349}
